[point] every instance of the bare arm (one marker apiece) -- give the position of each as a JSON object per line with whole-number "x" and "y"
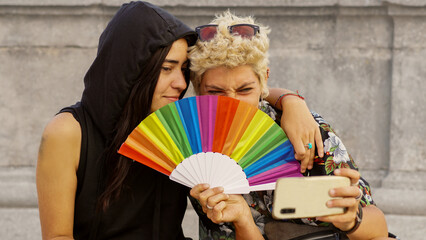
{"x": 246, "y": 229}
{"x": 56, "y": 179}
{"x": 299, "y": 125}
{"x": 373, "y": 224}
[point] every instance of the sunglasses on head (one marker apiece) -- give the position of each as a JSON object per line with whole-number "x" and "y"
{"x": 207, "y": 32}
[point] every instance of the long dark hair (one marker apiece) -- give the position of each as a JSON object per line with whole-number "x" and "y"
{"x": 138, "y": 106}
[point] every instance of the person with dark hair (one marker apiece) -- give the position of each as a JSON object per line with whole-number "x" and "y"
{"x": 86, "y": 190}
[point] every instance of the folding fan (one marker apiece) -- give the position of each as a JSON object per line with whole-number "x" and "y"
{"x": 216, "y": 140}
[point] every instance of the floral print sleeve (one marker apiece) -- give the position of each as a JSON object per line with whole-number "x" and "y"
{"x": 335, "y": 156}
{"x": 335, "y": 153}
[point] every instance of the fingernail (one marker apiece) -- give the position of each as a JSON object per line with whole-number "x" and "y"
{"x": 220, "y": 189}
{"x": 206, "y": 185}
{"x": 329, "y": 204}
{"x": 337, "y": 171}
{"x": 332, "y": 192}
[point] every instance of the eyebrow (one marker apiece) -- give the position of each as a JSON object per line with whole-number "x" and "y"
{"x": 242, "y": 86}
{"x": 171, "y": 61}
{"x": 174, "y": 61}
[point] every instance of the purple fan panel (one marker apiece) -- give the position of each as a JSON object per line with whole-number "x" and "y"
{"x": 291, "y": 169}
{"x": 207, "y": 106}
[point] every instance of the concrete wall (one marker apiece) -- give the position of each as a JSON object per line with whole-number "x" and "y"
{"x": 361, "y": 64}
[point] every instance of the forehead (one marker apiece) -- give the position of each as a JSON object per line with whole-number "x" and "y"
{"x": 229, "y": 76}
{"x": 178, "y": 50}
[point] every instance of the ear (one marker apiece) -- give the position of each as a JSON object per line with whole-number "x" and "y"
{"x": 267, "y": 75}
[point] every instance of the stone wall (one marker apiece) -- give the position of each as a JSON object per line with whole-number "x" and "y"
{"x": 360, "y": 64}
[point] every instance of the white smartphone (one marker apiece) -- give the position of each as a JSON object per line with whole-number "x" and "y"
{"x": 302, "y": 197}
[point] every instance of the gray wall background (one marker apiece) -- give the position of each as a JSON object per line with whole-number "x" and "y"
{"x": 359, "y": 63}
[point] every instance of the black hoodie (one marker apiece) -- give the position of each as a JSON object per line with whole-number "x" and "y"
{"x": 153, "y": 206}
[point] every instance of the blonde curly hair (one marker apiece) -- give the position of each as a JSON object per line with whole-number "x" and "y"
{"x": 231, "y": 51}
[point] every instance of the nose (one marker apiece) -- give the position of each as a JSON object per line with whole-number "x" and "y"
{"x": 179, "y": 82}
{"x": 232, "y": 94}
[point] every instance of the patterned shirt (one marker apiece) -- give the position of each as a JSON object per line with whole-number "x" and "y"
{"x": 335, "y": 156}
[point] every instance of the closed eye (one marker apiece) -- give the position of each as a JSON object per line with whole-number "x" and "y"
{"x": 246, "y": 89}
{"x": 167, "y": 69}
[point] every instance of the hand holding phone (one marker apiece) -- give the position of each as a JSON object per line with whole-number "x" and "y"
{"x": 302, "y": 197}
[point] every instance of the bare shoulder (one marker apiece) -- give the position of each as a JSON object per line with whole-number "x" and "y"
{"x": 63, "y": 125}
{"x": 56, "y": 175}
{"x": 61, "y": 136}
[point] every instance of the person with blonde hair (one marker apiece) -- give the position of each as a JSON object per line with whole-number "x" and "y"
{"x": 230, "y": 59}
{"x": 300, "y": 127}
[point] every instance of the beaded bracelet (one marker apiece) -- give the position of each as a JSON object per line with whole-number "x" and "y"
{"x": 288, "y": 94}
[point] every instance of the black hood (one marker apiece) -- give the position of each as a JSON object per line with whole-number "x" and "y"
{"x": 136, "y": 31}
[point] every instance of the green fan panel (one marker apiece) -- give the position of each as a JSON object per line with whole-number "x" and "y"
{"x": 175, "y": 128}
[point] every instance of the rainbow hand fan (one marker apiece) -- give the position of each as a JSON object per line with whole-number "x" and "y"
{"x": 214, "y": 139}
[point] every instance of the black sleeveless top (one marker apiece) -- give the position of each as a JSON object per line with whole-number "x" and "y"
{"x": 151, "y": 207}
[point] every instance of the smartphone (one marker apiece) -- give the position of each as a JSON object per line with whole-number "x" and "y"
{"x": 303, "y": 197}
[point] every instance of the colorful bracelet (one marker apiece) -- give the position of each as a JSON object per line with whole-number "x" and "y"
{"x": 288, "y": 94}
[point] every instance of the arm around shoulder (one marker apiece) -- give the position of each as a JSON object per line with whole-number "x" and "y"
{"x": 299, "y": 125}
{"x": 56, "y": 179}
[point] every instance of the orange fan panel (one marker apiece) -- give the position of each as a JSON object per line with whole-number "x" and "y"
{"x": 143, "y": 144}
{"x": 226, "y": 108}
{"x": 133, "y": 154}
{"x": 244, "y": 113}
